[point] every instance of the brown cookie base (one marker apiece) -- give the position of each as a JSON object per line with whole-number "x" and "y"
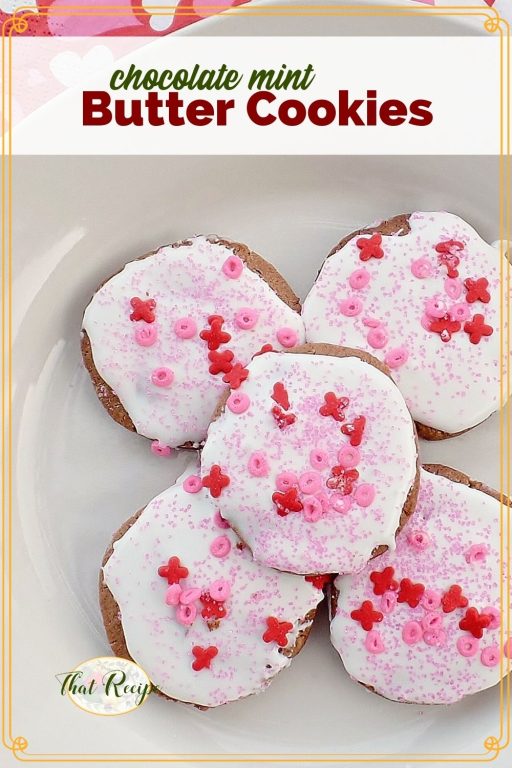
{"x": 334, "y": 351}
{"x": 252, "y": 260}
{"x": 111, "y": 615}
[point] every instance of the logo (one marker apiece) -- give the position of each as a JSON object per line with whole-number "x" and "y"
{"x": 106, "y": 685}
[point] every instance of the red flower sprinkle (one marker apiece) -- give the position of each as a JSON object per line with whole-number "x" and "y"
{"x": 276, "y": 631}
{"x": 216, "y": 481}
{"x": 410, "y": 593}
{"x": 445, "y": 327}
{"x": 215, "y": 336}
{"x": 174, "y": 571}
{"x": 354, "y": 430}
{"x": 448, "y": 251}
{"x": 281, "y": 418}
{"x": 212, "y": 609}
{"x": 342, "y": 479}
{"x": 236, "y": 376}
{"x": 263, "y": 351}
{"x": 334, "y": 406}
{"x": 476, "y": 328}
{"x": 319, "y": 580}
{"x": 220, "y": 361}
{"x": 280, "y": 395}
{"x": 383, "y": 580}
{"x": 143, "y": 309}
{"x": 370, "y": 247}
{"x": 475, "y": 622}
{"x": 453, "y": 599}
{"x": 203, "y": 657}
{"x": 366, "y": 615}
{"x": 287, "y": 501}
{"x": 476, "y": 290}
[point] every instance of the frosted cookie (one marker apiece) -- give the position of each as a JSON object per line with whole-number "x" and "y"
{"x": 163, "y": 338}
{"x": 422, "y": 293}
{"x": 182, "y": 597}
{"x": 422, "y": 624}
{"x": 314, "y": 459}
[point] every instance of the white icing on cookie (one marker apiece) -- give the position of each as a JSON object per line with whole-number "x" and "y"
{"x": 308, "y": 465}
{"x": 420, "y": 654}
{"x": 186, "y": 525}
{"x": 160, "y": 370}
{"x": 386, "y": 305}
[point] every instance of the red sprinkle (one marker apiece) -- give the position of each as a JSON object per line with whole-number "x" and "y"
{"x": 319, "y": 580}
{"x": 370, "y": 247}
{"x": 212, "y": 609}
{"x": 476, "y": 290}
{"x": 383, "y": 580}
{"x": 214, "y": 335}
{"x": 342, "y": 479}
{"x": 334, "y": 406}
{"x": 236, "y": 376}
{"x": 173, "y": 571}
{"x": 216, "y": 481}
{"x": 410, "y": 593}
{"x": 366, "y": 615}
{"x": 276, "y": 631}
{"x": 287, "y": 501}
{"x": 476, "y": 328}
{"x": 283, "y": 419}
{"x": 220, "y": 361}
{"x": 447, "y": 256}
{"x": 445, "y": 327}
{"x": 143, "y": 309}
{"x": 354, "y": 430}
{"x": 475, "y": 622}
{"x": 280, "y": 395}
{"x": 453, "y": 599}
{"x": 263, "y": 351}
{"x": 203, "y": 657}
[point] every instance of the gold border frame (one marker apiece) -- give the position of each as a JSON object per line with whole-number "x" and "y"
{"x": 18, "y": 23}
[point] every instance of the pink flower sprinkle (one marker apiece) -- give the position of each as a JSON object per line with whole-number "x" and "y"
{"x": 238, "y": 402}
{"x": 431, "y": 599}
{"x": 162, "y": 377}
{"x": 418, "y": 540}
{"x": 412, "y": 632}
{"x": 459, "y": 312}
{"x": 396, "y": 357}
{"x": 220, "y": 590}
{"x": 258, "y": 464}
{"x": 373, "y": 642}
{"x": 432, "y": 620}
{"x": 146, "y": 335}
{"x": 467, "y": 645}
{"x": 172, "y": 596}
{"x": 246, "y": 318}
{"x": 324, "y": 500}
{"x": 436, "y": 307}
{"x": 364, "y": 494}
{"x": 341, "y": 503}
{"x": 435, "y": 637}
{"x": 490, "y": 656}
{"x": 233, "y": 267}
{"x": 192, "y": 484}
{"x": 476, "y": 553}
{"x": 453, "y": 287}
{"x": 185, "y": 328}
{"x": 186, "y": 614}
{"x": 318, "y": 459}
{"x": 220, "y": 547}
{"x": 359, "y": 279}
{"x": 349, "y": 456}
{"x": 312, "y": 509}
{"x": 495, "y": 615}
{"x": 287, "y": 337}
{"x": 377, "y": 337}
{"x": 219, "y": 520}
{"x": 388, "y": 602}
{"x": 310, "y": 482}
{"x": 421, "y": 268}
{"x": 351, "y": 307}
{"x": 286, "y": 480}
{"x": 160, "y": 449}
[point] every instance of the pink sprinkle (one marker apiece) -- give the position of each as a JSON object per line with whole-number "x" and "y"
{"x": 220, "y": 590}
{"x": 287, "y": 337}
{"x": 220, "y": 547}
{"x": 186, "y": 614}
{"x": 421, "y": 268}
{"x": 507, "y": 648}
{"x": 364, "y": 494}
{"x": 312, "y": 509}
{"x": 476, "y": 553}
{"x": 258, "y": 464}
{"x": 371, "y": 322}
{"x": 495, "y": 615}
{"x": 377, "y": 338}
{"x": 431, "y": 599}
{"x": 396, "y": 357}
{"x": 162, "y": 377}
{"x": 373, "y": 642}
{"x": 238, "y": 402}
{"x": 351, "y": 307}
{"x": 459, "y": 312}
{"x": 349, "y": 457}
{"x": 418, "y": 540}
{"x": 388, "y": 602}
{"x": 246, "y": 318}
{"x": 490, "y": 656}
{"x": 426, "y": 322}
{"x": 233, "y": 267}
{"x": 324, "y": 500}
{"x": 435, "y": 637}
{"x": 435, "y": 307}
{"x": 146, "y": 335}
{"x": 189, "y": 595}
{"x": 432, "y": 620}
{"x": 185, "y": 328}
{"x": 172, "y": 596}
{"x": 310, "y": 482}
{"x": 319, "y": 459}
{"x": 341, "y": 503}
{"x": 359, "y": 279}
{"x": 286, "y": 480}
{"x": 192, "y": 484}
{"x": 412, "y": 632}
{"x": 453, "y": 287}
{"x": 219, "y": 520}
{"x": 160, "y": 449}
{"x": 467, "y": 645}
